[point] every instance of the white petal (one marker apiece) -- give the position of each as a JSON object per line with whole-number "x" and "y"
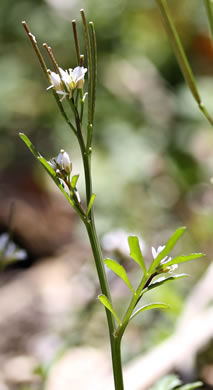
{"x": 78, "y": 73}
{"x": 20, "y": 254}
{"x": 65, "y": 77}
{"x": 11, "y": 248}
{"x": 52, "y": 164}
{"x": 154, "y": 252}
{"x": 160, "y": 249}
{"x": 55, "y": 80}
{"x": 3, "y": 240}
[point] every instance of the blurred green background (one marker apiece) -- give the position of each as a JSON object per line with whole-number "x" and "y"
{"x": 153, "y": 159}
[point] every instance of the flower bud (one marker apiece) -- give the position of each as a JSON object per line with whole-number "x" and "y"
{"x": 63, "y": 162}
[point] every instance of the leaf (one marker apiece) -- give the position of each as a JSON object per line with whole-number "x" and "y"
{"x": 90, "y": 203}
{"x": 105, "y": 301}
{"x": 46, "y": 165}
{"x": 191, "y": 386}
{"x": 149, "y": 307}
{"x": 163, "y": 280}
{"x": 183, "y": 259}
{"x": 74, "y": 181}
{"x": 30, "y": 145}
{"x": 169, "y": 382}
{"x": 168, "y": 247}
{"x": 135, "y": 252}
{"x": 120, "y": 271}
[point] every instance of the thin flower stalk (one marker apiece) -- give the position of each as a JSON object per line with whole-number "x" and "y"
{"x": 181, "y": 57}
{"x": 209, "y": 10}
{"x": 89, "y": 59}
{"x": 76, "y": 40}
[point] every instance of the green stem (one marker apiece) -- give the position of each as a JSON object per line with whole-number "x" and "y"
{"x": 209, "y": 10}
{"x": 178, "y": 49}
{"x": 135, "y": 298}
{"x": 145, "y": 282}
{"x": 118, "y": 372}
{"x": 115, "y": 345}
{"x": 94, "y": 67}
{"x": 77, "y": 46}
{"x": 98, "y": 257}
{"x": 89, "y": 65}
{"x": 181, "y": 56}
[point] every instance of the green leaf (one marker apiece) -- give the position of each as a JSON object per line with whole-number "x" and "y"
{"x": 90, "y": 203}
{"x": 105, "y": 301}
{"x": 169, "y": 382}
{"x": 120, "y": 271}
{"x": 183, "y": 259}
{"x": 149, "y": 307}
{"x": 163, "y": 280}
{"x": 135, "y": 252}
{"x": 30, "y": 145}
{"x": 168, "y": 247}
{"x": 47, "y": 166}
{"x": 74, "y": 181}
{"x": 191, "y": 386}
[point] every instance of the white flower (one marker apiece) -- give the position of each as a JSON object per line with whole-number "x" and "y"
{"x": 9, "y": 250}
{"x": 165, "y": 260}
{"x": 71, "y": 78}
{"x": 63, "y": 162}
{"x": 155, "y": 252}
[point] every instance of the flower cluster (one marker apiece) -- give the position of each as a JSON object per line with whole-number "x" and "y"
{"x": 68, "y": 80}
{"x": 165, "y": 260}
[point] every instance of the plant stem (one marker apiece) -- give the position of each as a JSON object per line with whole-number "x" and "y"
{"x": 135, "y": 298}
{"x": 98, "y": 257}
{"x": 180, "y": 53}
{"x": 114, "y": 342}
{"x": 209, "y": 11}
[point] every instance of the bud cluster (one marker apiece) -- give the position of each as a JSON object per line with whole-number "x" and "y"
{"x": 63, "y": 168}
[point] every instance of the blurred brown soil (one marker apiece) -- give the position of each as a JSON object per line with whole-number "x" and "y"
{"x": 41, "y": 223}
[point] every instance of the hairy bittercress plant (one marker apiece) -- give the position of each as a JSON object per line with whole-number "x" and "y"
{"x": 68, "y": 85}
